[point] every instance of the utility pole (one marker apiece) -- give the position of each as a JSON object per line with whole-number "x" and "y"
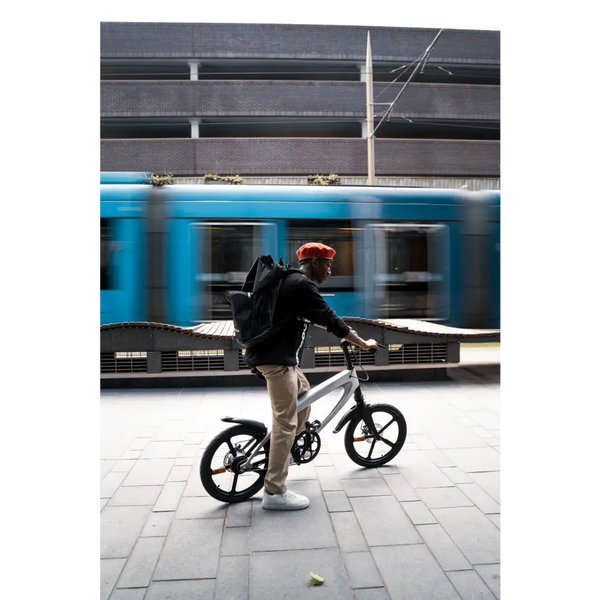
{"x": 370, "y": 136}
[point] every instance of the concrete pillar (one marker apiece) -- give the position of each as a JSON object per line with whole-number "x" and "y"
{"x": 363, "y": 71}
{"x": 195, "y": 131}
{"x": 194, "y": 64}
{"x": 364, "y": 130}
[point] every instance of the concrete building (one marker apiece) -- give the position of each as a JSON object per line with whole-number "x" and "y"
{"x": 277, "y": 103}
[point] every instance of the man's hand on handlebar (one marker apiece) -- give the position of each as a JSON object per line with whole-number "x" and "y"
{"x": 354, "y": 338}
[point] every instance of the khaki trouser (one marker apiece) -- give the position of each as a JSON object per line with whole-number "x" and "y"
{"x": 284, "y": 384}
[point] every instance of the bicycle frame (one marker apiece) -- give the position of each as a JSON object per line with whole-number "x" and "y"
{"x": 346, "y": 380}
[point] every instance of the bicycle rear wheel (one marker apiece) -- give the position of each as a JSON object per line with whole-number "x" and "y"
{"x": 219, "y": 468}
{"x": 361, "y": 444}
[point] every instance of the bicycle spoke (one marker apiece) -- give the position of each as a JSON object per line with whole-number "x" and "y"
{"x": 231, "y": 448}
{"x": 371, "y": 451}
{"x": 235, "y": 478}
{"x": 387, "y": 442}
{"x": 384, "y": 428}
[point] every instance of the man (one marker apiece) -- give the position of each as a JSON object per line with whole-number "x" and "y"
{"x": 299, "y": 304}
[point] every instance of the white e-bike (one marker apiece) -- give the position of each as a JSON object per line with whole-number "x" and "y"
{"x": 234, "y": 464}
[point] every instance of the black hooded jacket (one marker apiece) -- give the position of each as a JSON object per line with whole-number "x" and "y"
{"x": 299, "y": 304}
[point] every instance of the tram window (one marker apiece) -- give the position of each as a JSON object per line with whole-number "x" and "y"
{"x": 337, "y": 235}
{"x": 410, "y": 280}
{"x": 106, "y": 277}
{"x": 228, "y": 251}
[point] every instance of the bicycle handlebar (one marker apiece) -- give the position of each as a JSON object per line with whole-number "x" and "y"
{"x": 346, "y": 350}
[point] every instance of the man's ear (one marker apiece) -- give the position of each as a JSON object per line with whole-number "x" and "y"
{"x": 314, "y": 262}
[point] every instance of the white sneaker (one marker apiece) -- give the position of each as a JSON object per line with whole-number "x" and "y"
{"x": 286, "y": 501}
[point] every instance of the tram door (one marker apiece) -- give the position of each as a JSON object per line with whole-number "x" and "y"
{"x": 227, "y": 251}
{"x": 410, "y": 275}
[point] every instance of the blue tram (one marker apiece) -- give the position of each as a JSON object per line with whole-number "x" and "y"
{"x": 169, "y": 253}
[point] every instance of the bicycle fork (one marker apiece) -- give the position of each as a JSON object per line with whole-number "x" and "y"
{"x": 361, "y": 408}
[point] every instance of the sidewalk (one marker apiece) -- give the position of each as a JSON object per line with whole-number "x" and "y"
{"x": 427, "y": 525}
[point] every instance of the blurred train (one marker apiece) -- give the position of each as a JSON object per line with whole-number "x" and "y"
{"x": 168, "y": 253}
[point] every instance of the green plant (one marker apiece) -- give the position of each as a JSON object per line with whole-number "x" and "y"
{"x": 164, "y": 179}
{"x": 331, "y": 179}
{"x": 233, "y": 179}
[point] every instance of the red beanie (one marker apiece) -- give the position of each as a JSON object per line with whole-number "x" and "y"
{"x": 315, "y": 250}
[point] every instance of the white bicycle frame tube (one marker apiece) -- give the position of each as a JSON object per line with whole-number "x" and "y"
{"x": 345, "y": 380}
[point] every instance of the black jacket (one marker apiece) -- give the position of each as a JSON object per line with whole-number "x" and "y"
{"x": 298, "y": 305}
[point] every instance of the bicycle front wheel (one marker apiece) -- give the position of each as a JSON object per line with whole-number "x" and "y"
{"x": 363, "y": 447}
{"x": 219, "y": 468}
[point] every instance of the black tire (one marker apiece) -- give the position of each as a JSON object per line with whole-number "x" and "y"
{"x": 248, "y": 438}
{"x": 394, "y": 426}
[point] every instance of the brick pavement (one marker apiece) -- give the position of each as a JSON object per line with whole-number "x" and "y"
{"x": 427, "y": 525}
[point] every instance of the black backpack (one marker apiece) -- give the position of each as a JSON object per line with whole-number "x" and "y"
{"x": 253, "y": 307}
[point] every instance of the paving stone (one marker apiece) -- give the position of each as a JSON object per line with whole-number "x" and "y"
{"x": 104, "y": 467}
{"x": 489, "y": 482}
{"x": 239, "y": 514}
{"x": 423, "y": 442}
{"x": 384, "y": 522}
{"x": 471, "y": 460}
{"x": 181, "y": 590}
{"x": 110, "y": 484}
{"x": 477, "y": 537}
{"x": 138, "y": 444}
{"x": 400, "y": 487}
{"x": 194, "y": 485}
{"x": 103, "y": 503}
{"x": 349, "y": 534}
{"x": 444, "y": 497}
{"x": 180, "y": 473}
{"x": 366, "y": 487}
{"x": 302, "y": 472}
{"x": 191, "y": 550}
{"x": 236, "y": 541}
{"x": 293, "y": 530}
{"x": 131, "y": 455}
{"x": 481, "y": 499}
{"x": 418, "y": 512}
{"x": 110, "y": 569}
{"x": 149, "y": 472}
{"x": 420, "y": 472}
{"x": 323, "y": 460}
{"x": 142, "y": 495}
{"x": 161, "y": 450}
{"x": 411, "y": 572}
{"x": 495, "y": 519}
{"x": 123, "y": 466}
{"x": 157, "y": 524}
{"x": 189, "y": 451}
{"x": 184, "y": 461}
{"x": 372, "y": 594}
{"x": 470, "y": 586}
{"x": 232, "y": 578}
{"x": 347, "y": 469}
{"x": 285, "y": 575}
{"x": 173, "y": 430}
{"x": 494, "y": 442}
{"x": 388, "y": 469}
{"x": 128, "y": 594}
{"x": 457, "y": 436}
{"x": 337, "y": 501}
{"x": 193, "y": 437}
{"x": 170, "y": 496}
{"x": 141, "y": 563}
{"x": 456, "y": 475}
{"x": 484, "y": 418}
{"x": 201, "y": 508}
{"x": 443, "y": 548}
{"x": 438, "y": 458}
{"x": 491, "y": 576}
{"x": 329, "y": 479}
{"x": 119, "y": 529}
{"x": 362, "y": 570}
